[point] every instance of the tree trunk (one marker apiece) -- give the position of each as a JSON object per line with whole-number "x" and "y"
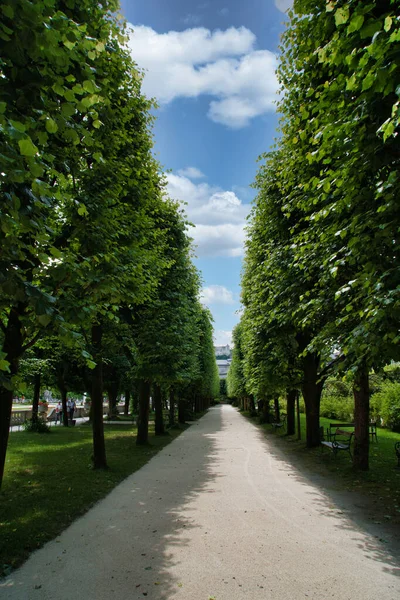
{"x": 361, "y": 419}
{"x": 127, "y": 402}
{"x": 99, "y": 448}
{"x": 63, "y": 391}
{"x": 143, "y": 416}
{"x": 252, "y": 406}
{"x": 266, "y": 411}
{"x": 171, "y": 407}
{"x": 290, "y": 411}
{"x": 181, "y": 410}
{"x": 312, "y": 390}
{"x": 298, "y": 415}
{"x": 112, "y": 394}
{"x": 12, "y": 348}
{"x": 36, "y": 397}
{"x": 277, "y": 410}
{"x": 158, "y": 410}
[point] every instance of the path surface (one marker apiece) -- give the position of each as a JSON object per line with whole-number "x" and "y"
{"x": 217, "y": 513}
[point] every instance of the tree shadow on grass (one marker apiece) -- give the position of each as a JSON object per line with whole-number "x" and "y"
{"x": 125, "y": 543}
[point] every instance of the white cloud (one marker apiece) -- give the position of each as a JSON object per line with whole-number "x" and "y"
{"x": 224, "y": 12}
{"x": 216, "y": 294}
{"x": 191, "y": 173}
{"x": 218, "y": 215}
{"x": 222, "y": 64}
{"x": 283, "y": 5}
{"x": 222, "y": 337}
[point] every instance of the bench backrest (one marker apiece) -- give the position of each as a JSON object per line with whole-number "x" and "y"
{"x": 344, "y": 434}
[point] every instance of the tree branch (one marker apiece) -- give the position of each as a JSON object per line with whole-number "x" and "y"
{"x": 32, "y": 342}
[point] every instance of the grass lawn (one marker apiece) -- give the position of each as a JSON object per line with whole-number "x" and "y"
{"x": 49, "y": 482}
{"x": 381, "y": 483}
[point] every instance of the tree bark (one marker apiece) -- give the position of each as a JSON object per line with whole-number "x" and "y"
{"x": 99, "y": 448}
{"x": 158, "y": 410}
{"x": 361, "y": 419}
{"x": 143, "y": 416}
{"x": 266, "y": 411}
{"x": 252, "y": 406}
{"x": 112, "y": 394}
{"x": 312, "y": 390}
{"x": 171, "y": 407}
{"x": 298, "y": 415}
{"x": 181, "y": 411}
{"x": 64, "y": 393}
{"x": 12, "y": 347}
{"x": 277, "y": 410}
{"x": 127, "y": 402}
{"x": 36, "y": 397}
{"x": 290, "y": 411}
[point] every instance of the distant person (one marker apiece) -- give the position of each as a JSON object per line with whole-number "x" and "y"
{"x": 59, "y": 412}
{"x": 71, "y": 409}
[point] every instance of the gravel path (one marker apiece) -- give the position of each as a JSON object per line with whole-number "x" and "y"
{"x": 216, "y": 514}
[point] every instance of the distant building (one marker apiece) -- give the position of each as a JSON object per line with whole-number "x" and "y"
{"x": 222, "y": 350}
{"x": 223, "y": 367}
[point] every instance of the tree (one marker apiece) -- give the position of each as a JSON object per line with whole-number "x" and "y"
{"x": 49, "y": 89}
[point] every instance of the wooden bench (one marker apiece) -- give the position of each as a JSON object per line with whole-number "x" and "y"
{"x": 281, "y": 423}
{"x": 340, "y": 440}
{"x": 372, "y": 429}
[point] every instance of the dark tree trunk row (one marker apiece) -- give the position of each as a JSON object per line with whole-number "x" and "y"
{"x": 290, "y": 411}
{"x": 99, "y": 448}
{"x": 361, "y": 419}
{"x": 36, "y": 396}
{"x": 143, "y": 414}
{"x": 12, "y": 348}
{"x": 158, "y": 410}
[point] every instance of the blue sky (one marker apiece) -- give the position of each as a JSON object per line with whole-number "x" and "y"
{"x": 211, "y": 67}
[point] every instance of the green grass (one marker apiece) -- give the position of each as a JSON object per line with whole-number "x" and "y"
{"x": 381, "y": 483}
{"x": 49, "y": 482}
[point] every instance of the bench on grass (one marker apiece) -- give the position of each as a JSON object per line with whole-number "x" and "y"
{"x": 334, "y": 426}
{"x": 281, "y": 423}
{"x": 340, "y": 440}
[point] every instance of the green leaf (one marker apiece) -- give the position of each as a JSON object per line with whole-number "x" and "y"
{"x": 3, "y": 106}
{"x": 44, "y": 320}
{"x": 18, "y": 126}
{"x": 27, "y": 147}
{"x": 355, "y": 23}
{"x": 8, "y": 11}
{"x": 388, "y": 23}
{"x": 4, "y": 365}
{"x": 51, "y": 126}
{"x": 82, "y": 210}
{"x": 342, "y": 16}
{"x": 369, "y": 80}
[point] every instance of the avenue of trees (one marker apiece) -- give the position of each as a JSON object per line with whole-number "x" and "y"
{"x": 97, "y": 287}
{"x": 321, "y": 276}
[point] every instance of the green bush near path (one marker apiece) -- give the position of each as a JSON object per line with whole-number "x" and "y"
{"x": 381, "y": 484}
{"x": 49, "y": 482}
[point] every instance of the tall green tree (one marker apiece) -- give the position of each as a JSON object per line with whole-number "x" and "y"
{"x": 49, "y": 91}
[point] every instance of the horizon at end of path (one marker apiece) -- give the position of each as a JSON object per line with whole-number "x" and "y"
{"x": 218, "y": 513}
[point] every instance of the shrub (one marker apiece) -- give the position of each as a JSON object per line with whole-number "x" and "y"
{"x": 385, "y": 405}
{"x": 337, "y": 407}
{"x": 38, "y": 426}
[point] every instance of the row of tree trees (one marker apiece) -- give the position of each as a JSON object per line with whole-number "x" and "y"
{"x": 91, "y": 248}
{"x": 321, "y": 276}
